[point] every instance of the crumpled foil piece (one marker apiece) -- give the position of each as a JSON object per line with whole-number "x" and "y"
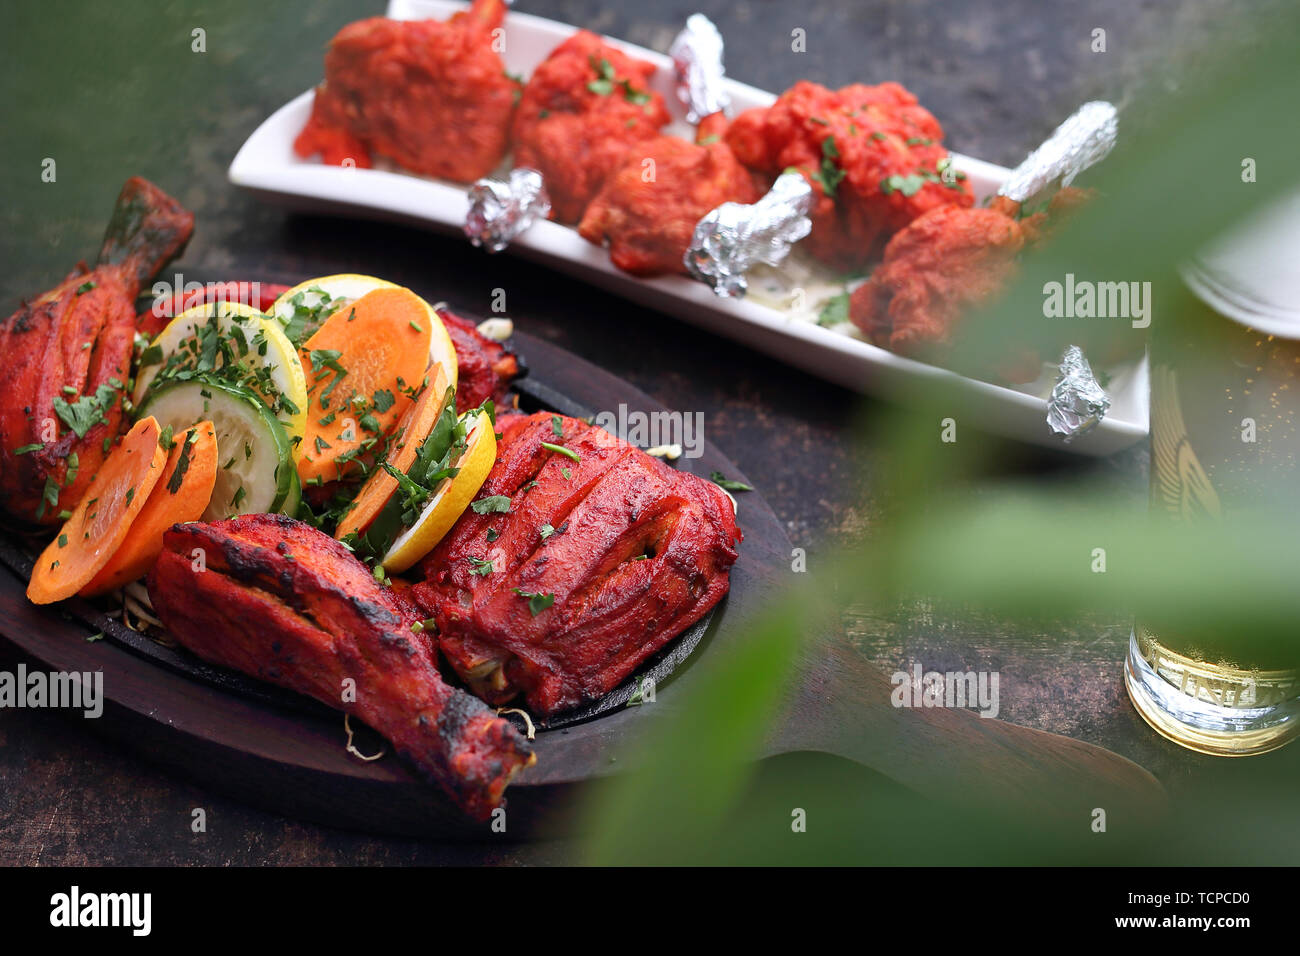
{"x": 499, "y": 211}
{"x": 1083, "y": 139}
{"x": 1078, "y": 402}
{"x": 697, "y": 57}
{"x": 735, "y": 236}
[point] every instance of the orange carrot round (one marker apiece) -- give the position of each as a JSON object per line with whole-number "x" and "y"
{"x": 181, "y": 494}
{"x": 362, "y": 365}
{"x": 102, "y": 518}
{"x": 414, "y": 427}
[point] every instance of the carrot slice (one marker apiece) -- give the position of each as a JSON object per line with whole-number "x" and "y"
{"x": 414, "y": 428}
{"x": 102, "y": 517}
{"x": 360, "y": 366}
{"x": 181, "y": 494}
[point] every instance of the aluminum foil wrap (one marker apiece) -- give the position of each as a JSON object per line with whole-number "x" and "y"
{"x": 735, "y": 236}
{"x": 499, "y": 211}
{"x": 1078, "y": 402}
{"x": 697, "y": 57}
{"x": 1083, "y": 139}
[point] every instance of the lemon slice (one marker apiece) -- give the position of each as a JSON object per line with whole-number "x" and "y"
{"x": 302, "y": 309}
{"x": 450, "y": 501}
{"x": 253, "y": 339}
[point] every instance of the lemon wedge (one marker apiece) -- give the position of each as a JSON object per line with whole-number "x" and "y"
{"x": 451, "y": 500}
{"x": 209, "y": 334}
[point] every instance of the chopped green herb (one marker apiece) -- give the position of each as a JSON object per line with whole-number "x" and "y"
{"x": 722, "y": 481}
{"x": 480, "y": 567}
{"x": 183, "y": 462}
{"x": 835, "y": 311}
{"x": 561, "y": 450}
{"x": 86, "y": 412}
{"x": 537, "y": 603}
{"x": 829, "y": 174}
{"x": 493, "y": 504}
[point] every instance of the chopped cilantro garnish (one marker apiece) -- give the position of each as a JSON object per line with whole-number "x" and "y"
{"x": 722, "y": 481}
{"x": 493, "y": 504}
{"x": 183, "y": 462}
{"x": 835, "y": 311}
{"x": 561, "y": 450}
{"x": 537, "y": 603}
{"x": 86, "y": 412}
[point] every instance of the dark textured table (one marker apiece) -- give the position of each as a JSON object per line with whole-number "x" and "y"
{"x": 112, "y": 90}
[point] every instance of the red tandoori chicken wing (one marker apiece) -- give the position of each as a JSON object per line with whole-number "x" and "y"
{"x": 873, "y": 155}
{"x": 432, "y": 96}
{"x": 945, "y": 264}
{"x": 648, "y": 214}
{"x": 582, "y": 109}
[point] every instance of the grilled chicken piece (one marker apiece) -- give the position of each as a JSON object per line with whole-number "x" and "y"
{"x": 279, "y": 600}
{"x": 485, "y": 368}
{"x": 590, "y": 573}
{"x": 67, "y": 355}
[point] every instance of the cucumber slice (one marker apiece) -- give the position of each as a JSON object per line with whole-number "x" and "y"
{"x": 256, "y": 472}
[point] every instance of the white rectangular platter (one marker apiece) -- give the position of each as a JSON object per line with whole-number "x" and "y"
{"x": 267, "y": 166}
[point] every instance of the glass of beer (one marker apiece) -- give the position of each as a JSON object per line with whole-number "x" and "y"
{"x": 1225, "y": 439}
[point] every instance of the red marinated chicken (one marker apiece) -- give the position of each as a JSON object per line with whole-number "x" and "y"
{"x": 595, "y": 566}
{"x": 485, "y": 368}
{"x": 288, "y": 604}
{"x": 648, "y": 220}
{"x": 66, "y": 356}
{"x": 873, "y": 155}
{"x": 432, "y": 96}
{"x": 945, "y": 264}
{"x": 582, "y": 110}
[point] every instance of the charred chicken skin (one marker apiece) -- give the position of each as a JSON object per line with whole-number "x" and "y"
{"x": 485, "y": 368}
{"x": 67, "y": 357}
{"x": 648, "y": 221}
{"x": 596, "y": 565}
{"x": 873, "y": 155}
{"x": 584, "y": 107}
{"x": 432, "y": 96}
{"x": 945, "y": 264}
{"x": 283, "y": 602}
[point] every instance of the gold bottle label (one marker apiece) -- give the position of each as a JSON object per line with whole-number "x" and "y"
{"x": 1223, "y": 684}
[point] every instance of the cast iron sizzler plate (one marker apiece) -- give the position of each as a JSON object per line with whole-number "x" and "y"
{"x": 286, "y": 752}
